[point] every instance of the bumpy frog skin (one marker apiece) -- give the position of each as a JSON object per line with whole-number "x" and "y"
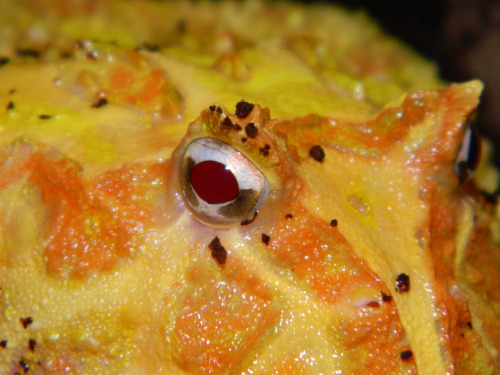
{"x": 355, "y": 250}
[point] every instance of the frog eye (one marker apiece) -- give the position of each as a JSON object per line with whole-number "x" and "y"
{"x": 468, "y": 155}
{"x": 220, "y": 185}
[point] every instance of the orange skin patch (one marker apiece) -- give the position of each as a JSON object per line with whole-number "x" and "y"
{"x": 90, "y": 225}
{"x": 224, "y": 315}
{"x": 319, "y": 255}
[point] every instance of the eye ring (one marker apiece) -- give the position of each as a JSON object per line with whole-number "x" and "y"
{"x": 219, "y": 184}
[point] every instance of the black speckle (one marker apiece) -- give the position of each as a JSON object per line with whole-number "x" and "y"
{"x": 24, "y": 365}
{"x": 403, "y": 283}
{"x": 386, "y": 297}
{"x": 469, "y": 324}
{"x": 28, "y": 52}
{"x": 228, "y": 123}
{"x": 101, "y": 102}
{"x": 317, "y": 153}
{"x": 3, "y": 344}
{"x": 265, "y": 238}
{"x": 32, "y": 345}
{"x": 219, "y": 253}
{"x": 334, "y": 222}
{"x": 212, "y": 108}
{"x": 265, "y": 150}
{"x": 10, "y": 105}
{"x": 407, "y": 354}
{"x": 243, "y": 109}
{"x": 250, "y": 221}
{"x": 150, "y": 47}
{"x": 44, "y": 117}
{"x": 25, "y": 322}
{"x": 288, "y": 216}
{"x": 4, "y": 61}
{"x": 251, "y": 130}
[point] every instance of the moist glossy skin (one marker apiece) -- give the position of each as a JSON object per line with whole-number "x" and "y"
{"x": 367, "y": 254}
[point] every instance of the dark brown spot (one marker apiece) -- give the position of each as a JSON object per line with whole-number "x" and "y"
{"x": 250, "y": 221}
{"x": 10, "y": 105}
{"x": 219, "y": 253}
{"x": 212, "y": 108}
{"x": 32, "y": 345}
{"x": 334, "y": 222}
{"x": 243, "y": 139}
{"x": 265, "y": 150}
{"x": 469, "y": 324}
{"x": 403, "y": 283}
{"x": 101, "y": 102}
{"x": 24, "y": 365}
{"x": 243, "y": 109}
{"x": 150, "y": 47}
{"x": 265, "y": 238}
{"x": 3, "y": 344}
{"x": 27, "y": 52}
{"x": 228, "y": 123}
{"x": 218, "y": 110}
{"x": 4, "y": 61}
{"x": 251, "y": 130}
{"x": 386, "y": 297}
{"x": 92, "y": 55}
{"x": 407, "y": 354}
{"x": 374, "y": 304}
{"x": 44, "y": 117}
{"x": 317, "y": 153}
{"x": 25, "y": 322}
{"x": 288, "y": 216}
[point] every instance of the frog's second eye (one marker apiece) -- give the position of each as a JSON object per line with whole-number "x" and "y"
{"x": 220, "y": 185}
{"x": 468, "y": 155}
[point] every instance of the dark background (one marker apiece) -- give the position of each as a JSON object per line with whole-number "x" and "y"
{"x": 462, "y": 36}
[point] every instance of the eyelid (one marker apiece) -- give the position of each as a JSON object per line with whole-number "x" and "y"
{"x": 253, "y": 185}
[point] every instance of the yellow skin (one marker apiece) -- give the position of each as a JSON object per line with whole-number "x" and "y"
{"x": 105, "y": 266}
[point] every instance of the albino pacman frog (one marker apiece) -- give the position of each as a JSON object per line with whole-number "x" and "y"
{"x": 237, "y": 188}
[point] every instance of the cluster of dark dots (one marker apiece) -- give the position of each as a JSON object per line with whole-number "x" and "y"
{"x": 25, "y": 323}
{"x": 265, "y": 150}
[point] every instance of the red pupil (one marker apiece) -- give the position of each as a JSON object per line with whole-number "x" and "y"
{"x": 213, "y": 182}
